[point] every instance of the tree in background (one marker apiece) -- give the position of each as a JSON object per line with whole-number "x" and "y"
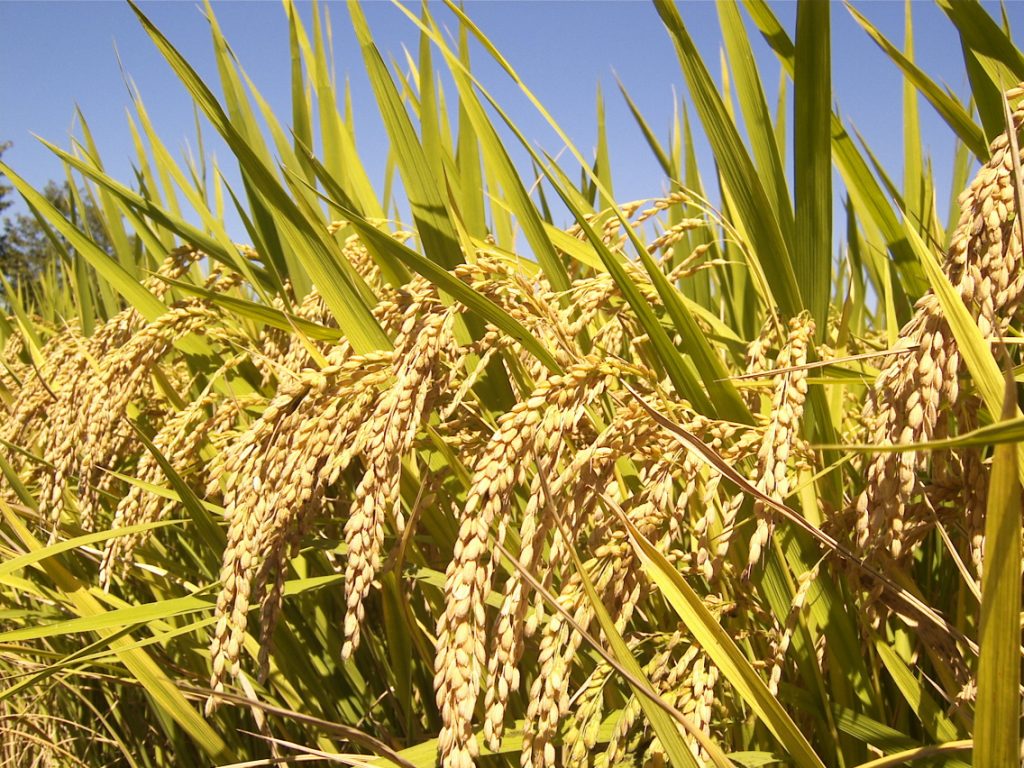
{"x": 27, "y": 247}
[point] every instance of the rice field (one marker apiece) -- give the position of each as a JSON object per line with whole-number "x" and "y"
{"x": 449, "y": 480}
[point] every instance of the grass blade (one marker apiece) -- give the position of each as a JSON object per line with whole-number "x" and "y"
{"x": 998, "y": 708}
{"x": 159, "y": 687}
{"x": 331, "y": 273}
{"x": 720, "y": 646}
{"x": 752, "y": 204}
{"x": 812, "y": 255}
{"x": 437, "y": 235}
{"x": 148, "y": 305}
{"x": 944, "y": 103}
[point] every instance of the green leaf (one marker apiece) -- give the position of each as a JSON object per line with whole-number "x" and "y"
{"x": 500, "y": 163}
{"x": 934, "y": 720}
{"x": 681, "y": 375}
{"x": 752, "y": 204}
{"x": 225, "y": 249}
{"x": 756, "y": 118}
{"x": 909, "y": 756}
{"x": 664, "y": 726}
{"x": 208, "y": 532}
{"x": 437, "y": 235}
{"x": 603, "y": 161}
{"x": 869, "y": 199}
{"x": 116, "y": 619}
{"x": 191, "y": 234}
{"x": 149, "y": 306}
{"x": 671, "y": 170}
{"x": 1005, "y": 431}
{"x": 870, "y": 731}
{"x": 111, "y": 219}
{"x": 998, "y": 709}
{"x": 161, "y": 690}
{"x": 719, "y": 645}
{"x": 331, "y": 272}
{"x": 812, "y": 157}
{"x": 445, "y": 281}
{"x": 994, "y": 63}
{"x": 948, "y": 107}
{"x": 467, "y": 160}
{"x": 260, "y": 313}
{"x": 67, "y": 545}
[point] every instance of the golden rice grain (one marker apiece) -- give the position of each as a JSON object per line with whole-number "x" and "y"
{"x": 913, "y": 394}
{"x": 782, "y": 429}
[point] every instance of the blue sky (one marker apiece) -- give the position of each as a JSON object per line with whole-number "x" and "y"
{"x": 56, "y": 55}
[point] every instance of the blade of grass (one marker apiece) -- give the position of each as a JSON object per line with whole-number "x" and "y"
{"x": 670, "y": 169}
{"x": 812, "y": 158}
{"x": 159, "y": 687}
{"x": 478, "y": 303}
{"x": 682, "y": 376}
{"x": 922, "y": 753}
{"x": 948, "y": 107}
{"x": 146, "y": 207}
{"x": 934, "y": 720}
{"x": 998, "y": 709}
{"x": 994, "y": 63}
{"x": 1009, "y": 430}
{"x": 756, "y": 118}
{"x": 437, "y": 235}
{"x": 111, "y": 218}
{"x": 603, "y": 161}
{"x": 752, "y": 203}
{"x": 865, "y": 191}
{"x": 121, "y": 280}
{"x": 332, "y": 274}
{"x": 714, "y": 460}
{"x": 676, "y": 749}
{"x": 719, "y": 645}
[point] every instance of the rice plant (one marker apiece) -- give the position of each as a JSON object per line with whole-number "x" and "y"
{"x": 690, "y": 480}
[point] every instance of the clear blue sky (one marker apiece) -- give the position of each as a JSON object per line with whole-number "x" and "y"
{"x": 56, "y": 55}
